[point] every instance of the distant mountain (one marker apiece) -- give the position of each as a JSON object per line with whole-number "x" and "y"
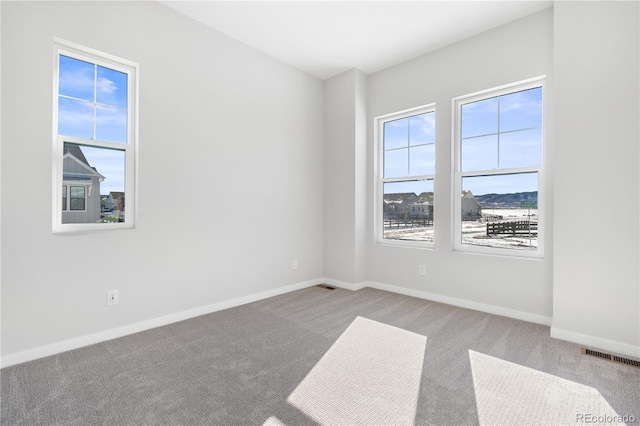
{"x": 506, "y": 201}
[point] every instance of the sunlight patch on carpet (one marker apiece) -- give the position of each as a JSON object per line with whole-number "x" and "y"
{"x": 370, "y": 376}
{"x": 508, "y": 393}
{"x": 273, "y": 421}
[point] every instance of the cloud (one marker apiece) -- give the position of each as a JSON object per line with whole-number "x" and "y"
{"x": 106, "y": 86}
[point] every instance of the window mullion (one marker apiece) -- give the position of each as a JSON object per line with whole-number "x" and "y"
{"x": 498, "y": 136}
{"x": 95, "y": 99}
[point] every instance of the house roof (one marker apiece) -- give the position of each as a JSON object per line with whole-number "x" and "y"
{"x": 425, "y": 198}
{"x": 398, "y": 198}
{"x": 74, "y": 152}
{"x": 73, "y": 149}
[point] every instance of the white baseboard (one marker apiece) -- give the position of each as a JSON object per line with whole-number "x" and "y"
{"x": 596, "y": 342}
{"x": 462, "y": 303}
{"x": 342, "y": 284}
{"x": 79, "y": 342}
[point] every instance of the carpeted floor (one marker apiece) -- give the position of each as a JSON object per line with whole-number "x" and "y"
{"x": 239, "y": 366}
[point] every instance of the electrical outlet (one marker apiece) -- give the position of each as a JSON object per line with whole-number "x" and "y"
{"x": 113, "y": 298}
{"x": 422, "y": 270}
{"x": 295, "y": 263}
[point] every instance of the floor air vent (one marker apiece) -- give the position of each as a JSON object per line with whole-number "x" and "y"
{"x": 612, "y": 358}
{"x": 326, "y": 287}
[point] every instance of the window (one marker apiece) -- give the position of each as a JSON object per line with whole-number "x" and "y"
{"x": 76, "y": 198}
{"x": 498, "y": 147}
{"x": 94, "y": 142}
{"x": 406, "y": 170}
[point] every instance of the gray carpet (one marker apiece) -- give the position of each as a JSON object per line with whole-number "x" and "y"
{"x": 239, "y": 366}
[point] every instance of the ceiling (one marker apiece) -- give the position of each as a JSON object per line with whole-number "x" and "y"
{"x": 325, "y": 38}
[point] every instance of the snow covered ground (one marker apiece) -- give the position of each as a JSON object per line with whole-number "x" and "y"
{"x": 475, "y": 233}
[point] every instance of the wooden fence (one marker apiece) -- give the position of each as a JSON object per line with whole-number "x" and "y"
{"x": 520, "y": 227}
{"x": 408, "y": 223}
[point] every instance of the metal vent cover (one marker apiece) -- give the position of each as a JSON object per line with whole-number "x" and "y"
{"x": 611, "y": 357}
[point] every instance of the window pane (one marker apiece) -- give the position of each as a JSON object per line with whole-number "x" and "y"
{"x": 396, "y": 134}
{"x": 102, "y": 171}
{"x": 500, "y": 211}
{"x": 422, "y": 129}
{"x": 408, "y": 211}
{"x": 75, "y": 118}
{"x": 111, "y": 87}
{"x": 479, "y": 153}
{"x": 521, "y": 149}
{"x": 76, "y": 78}
{"x": 521, "y": 110}
{"x": 77, "y": 197}
{"x": 479, "y": 118}
{"x": 396, "y": 163}
{"x": 64, "y": 198}
{"x": 77, "y": 204}
{"x": 422, "y": 160}
{"x": 111, "y": 124}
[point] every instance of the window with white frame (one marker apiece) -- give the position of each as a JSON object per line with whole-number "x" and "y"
{"x": 94, "y": 142}
{"x": 406, "y": 171}
{"x": 498, "y": 149}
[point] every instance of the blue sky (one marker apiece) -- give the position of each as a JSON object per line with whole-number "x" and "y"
{"x": 499, "y": 132}
{"x": 92, "y": 104}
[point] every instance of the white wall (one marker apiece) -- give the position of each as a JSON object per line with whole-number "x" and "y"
{"x": 596, "y": 294}
{"x": 345, "y": 177}
{"x": 511, "y": 286}
{"x": 225, "y": 131}
{"x": 222, "y": 124}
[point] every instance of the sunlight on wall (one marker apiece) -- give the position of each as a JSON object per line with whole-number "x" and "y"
{"x": 508, "y": 393}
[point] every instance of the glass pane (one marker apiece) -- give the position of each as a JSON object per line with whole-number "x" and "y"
{"x": 408, "y": 211}
{"x": 396, "y": 134}
{"x": 102, "y": 172}
{"x": 479, "y": 118}
{"x": 77, "y": 203}
{"x": 111, "y": 124}
{"x": 422, "y": 129}
{"x": 75, "y": 118}
{"x": 422, "y": 160}
{"x": 77, "y": 192}
{"x": 77, "y": 197}
{"x": 521, "y": 110}
{"x": 521, "y": 149}
{"x": 500, "y": 211}
{"x": 396, "y": 163}
{"x": 76, "y": 78}
{"x": 479, "y": 153}
{"x": 111, "y": 87}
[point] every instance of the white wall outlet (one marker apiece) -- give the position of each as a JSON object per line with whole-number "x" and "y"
{"x": 113, "y": 298}
{"x": 295, "y": 263}
{"x": 422, "y": 270}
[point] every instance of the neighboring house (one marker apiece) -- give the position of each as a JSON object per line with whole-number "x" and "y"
{"x": 118, "y": 200}
{"x": 107, "y": 203}
{"x": 397, "y": 205}
{"x": 80, "y": 187}
{"x": 471, "y": 210}
{"x": 422, "y": 207}
{"x": 409, "y": 205}
{"x": 406, "y": 205}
